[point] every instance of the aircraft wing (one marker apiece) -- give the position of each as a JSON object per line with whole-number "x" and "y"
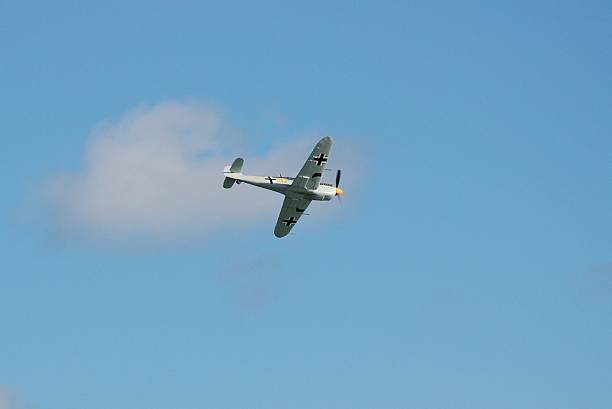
{"x": 313, "y": 168}
{"x": 289, "y": 215}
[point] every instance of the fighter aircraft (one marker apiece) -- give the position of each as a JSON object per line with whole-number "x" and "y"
{"x": 299, "y": 191}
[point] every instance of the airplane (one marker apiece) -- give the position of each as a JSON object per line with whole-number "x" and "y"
{"x": 299, "y": 191}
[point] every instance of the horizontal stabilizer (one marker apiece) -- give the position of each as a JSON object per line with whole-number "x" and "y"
{"x": 228, "y": 182}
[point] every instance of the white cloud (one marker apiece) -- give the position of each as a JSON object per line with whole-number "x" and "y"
{"x": 157, "y": 173}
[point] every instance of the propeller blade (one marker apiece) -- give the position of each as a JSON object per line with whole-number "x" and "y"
{"x": 338, "y": 178}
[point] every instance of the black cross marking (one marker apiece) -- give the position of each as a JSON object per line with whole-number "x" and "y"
{"x": 288, "y": 222}
{"x": 322, "y": 158}
{"x": 271, "y": 179}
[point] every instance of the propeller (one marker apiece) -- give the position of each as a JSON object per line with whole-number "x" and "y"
{"x": 339, "y": 191}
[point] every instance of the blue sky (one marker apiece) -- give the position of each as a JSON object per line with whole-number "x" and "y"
{"x": 470, "y": 265}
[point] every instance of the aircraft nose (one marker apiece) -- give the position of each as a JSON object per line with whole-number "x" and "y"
{"x": 339, "y": 192}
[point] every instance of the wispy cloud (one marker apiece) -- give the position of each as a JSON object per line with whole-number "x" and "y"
{"x": 4, "y": 399}
{"x": 602, "y": 275}
{"x": 603, "y": 269}
{"x": 157, "y": 173}
{"x": 7, "y": 399}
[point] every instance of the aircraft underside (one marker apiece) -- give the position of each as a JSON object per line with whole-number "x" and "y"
{"x": 298, "y": 191}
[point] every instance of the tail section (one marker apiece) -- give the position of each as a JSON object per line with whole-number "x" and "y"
{"x": 235, "y": 167}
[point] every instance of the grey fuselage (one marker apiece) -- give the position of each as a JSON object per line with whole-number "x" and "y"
{"x": 285, "y": 186}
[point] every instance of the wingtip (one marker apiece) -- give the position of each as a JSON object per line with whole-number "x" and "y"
{"x": 279, "y": 232}
{"x": 327, "y": 139}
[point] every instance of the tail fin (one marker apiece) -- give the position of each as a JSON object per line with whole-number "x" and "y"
{"x": 235, "y": 167}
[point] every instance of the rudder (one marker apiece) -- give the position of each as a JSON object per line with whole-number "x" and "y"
{"x": 237, "y": 165}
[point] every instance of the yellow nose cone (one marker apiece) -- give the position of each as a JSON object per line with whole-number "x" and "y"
{"x": 339, "y": 191}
